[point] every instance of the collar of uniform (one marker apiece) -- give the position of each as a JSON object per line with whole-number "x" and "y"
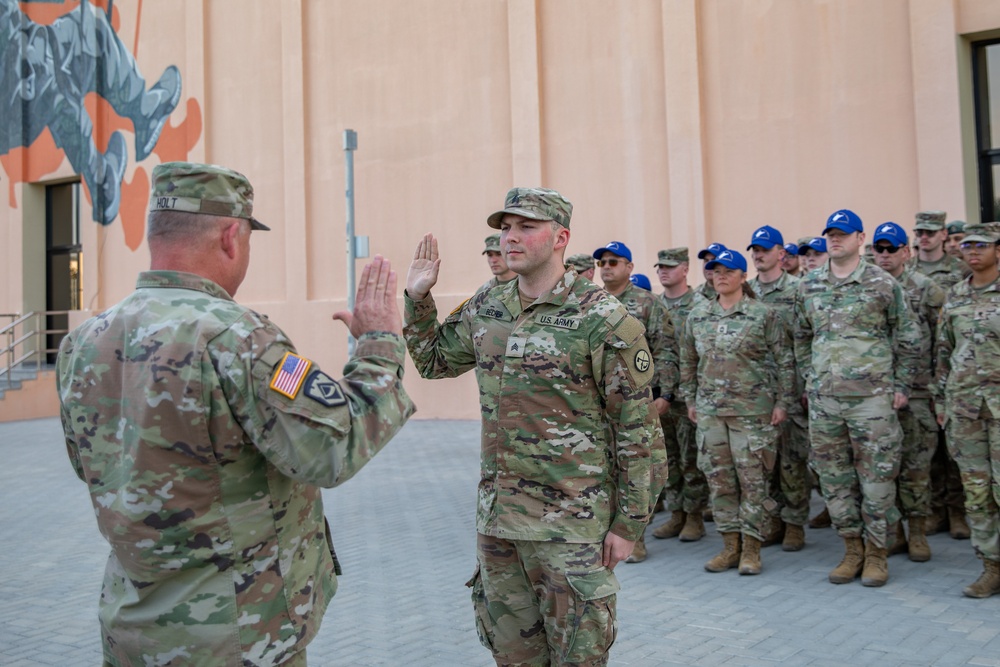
{"x": 854, "y": 277}
{"x": 779, "y": 285}
{"x": 181, "y": 280}
{"x": 740, "y": 307}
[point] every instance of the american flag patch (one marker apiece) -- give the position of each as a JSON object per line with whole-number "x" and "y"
{"x": 288, "y": 378}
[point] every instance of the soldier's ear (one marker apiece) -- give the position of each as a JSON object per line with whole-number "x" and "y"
{"x": 230, "y": 239}
{"x": 562, "y": 238}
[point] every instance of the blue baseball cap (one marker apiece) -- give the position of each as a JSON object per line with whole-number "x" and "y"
{"x": 712, "y": 249}
{"x": 766, "y": 237}
{"x": 818, "y": 244}
{"x": 615, "y": 248}
{"x": 639, "y": 280}
{"x": 845, "y": 220}
{"x": 729, "y": 259}
{"x": 891, "y": 232}
{"x": 791, "y": 249}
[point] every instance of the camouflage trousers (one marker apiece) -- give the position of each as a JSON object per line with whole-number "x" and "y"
{"x": 975, "y": 446}
{"x": 920, "y": 439}
{"x": 686, "y": 489}
{"x": 794, "y": 483}
{"x": 298, "y": 660}
{"x": 946, "y": 480}
{"x": 544, "y": 603}
{"x": 736, "y": 454}
{"x": 857, "y": 444}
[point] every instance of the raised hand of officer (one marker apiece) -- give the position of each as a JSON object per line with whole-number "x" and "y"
{"x": 375, "y": 307}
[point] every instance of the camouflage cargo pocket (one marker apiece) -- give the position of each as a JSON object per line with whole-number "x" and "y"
{"x": 484, "y": 626}
{"x": 593, "y": 627}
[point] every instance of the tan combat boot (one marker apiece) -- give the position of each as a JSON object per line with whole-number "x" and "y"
{"x": 673, "y": 527}
{"x": 988, "y": 582}
{"x": 638, "y": 551}
{"x": 694, "y": 528}
{"x": 854, "y": 560}
{"x": 936, "y": 522}
{"x": 876, "y": 571}
{"x": 821, "y": 520}
{"x": 958, "y": 526}
{"x": 795, "y": 538}
{"x": 920, "y": 551}
{"x": 899, "y": 544}
{"x": 729, "y": 557}
{"x": 775, "y": 534}
{"x": 750, "y": 555}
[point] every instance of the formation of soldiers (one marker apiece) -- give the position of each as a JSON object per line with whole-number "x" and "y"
{"x": 894, "y": 401}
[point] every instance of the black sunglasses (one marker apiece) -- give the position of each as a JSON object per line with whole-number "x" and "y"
{"x": 608, "y": 262}
{"x": 891, "y": 249}
{"x": 925, "y": 232}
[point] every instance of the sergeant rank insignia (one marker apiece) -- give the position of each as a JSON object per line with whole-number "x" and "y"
{"x": 321, "y": 388}
{"x": 291, "y": 371}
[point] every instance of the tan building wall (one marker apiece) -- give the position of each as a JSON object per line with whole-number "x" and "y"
{"x": 666, "y": 122}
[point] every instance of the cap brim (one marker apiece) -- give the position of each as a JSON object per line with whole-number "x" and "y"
{"x": 671, "y": 264}
{"x": 766, "y": 245}
{"x": 258, "y": 225}
{"x": 495, "y": 218}
{"x": 979, "y": 237}
{"x": 929, "y": 226}
{"x": 847, "y": 229}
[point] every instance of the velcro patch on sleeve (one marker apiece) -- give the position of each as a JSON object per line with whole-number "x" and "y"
{"x": 290, "y": 374}
{"x": 630, "y": 330}
{"x": 323, "y": 389}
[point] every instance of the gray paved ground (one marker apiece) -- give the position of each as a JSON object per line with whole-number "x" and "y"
{"x": 405, "y": 534}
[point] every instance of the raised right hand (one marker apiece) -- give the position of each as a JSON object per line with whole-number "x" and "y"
{"x": 423, "y": 273}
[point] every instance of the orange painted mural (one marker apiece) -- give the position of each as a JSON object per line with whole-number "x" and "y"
{"x": 70, "y": 89}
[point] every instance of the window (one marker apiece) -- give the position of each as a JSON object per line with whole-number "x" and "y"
{"x": 986, "y": 92}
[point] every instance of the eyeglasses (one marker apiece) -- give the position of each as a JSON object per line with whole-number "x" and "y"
{"x": 978, "y": 245}
{"x": 925, "y": 232}
{"x": 891, "y": 249}
{"x": 608, "y": 262}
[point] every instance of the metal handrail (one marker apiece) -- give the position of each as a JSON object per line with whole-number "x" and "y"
{"x": 28, "y": 332}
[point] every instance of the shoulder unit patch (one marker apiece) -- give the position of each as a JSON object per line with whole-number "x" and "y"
{"x": 323, "y": 389}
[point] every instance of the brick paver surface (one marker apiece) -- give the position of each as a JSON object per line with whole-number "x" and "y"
{"x": 404, "y": 531}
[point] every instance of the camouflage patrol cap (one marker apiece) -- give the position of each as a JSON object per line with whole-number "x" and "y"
{"x": 988, "y": 232}
{"x": 580, "y": 261}
{"x": 535, "y": 204}
{"x": 671, "y": 257}
{"x": 203, "y": 188}
{"x": 492, "y": 243}
{"x": 930, "y": 220}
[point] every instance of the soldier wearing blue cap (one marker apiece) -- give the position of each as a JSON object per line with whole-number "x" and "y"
{"x": 737, "y": 377}
{"x": 920, "y": 433}
{"x": 812, "y": 253}
{"x": 706, "y": 255}
{"x": 615, "y": 262}
{"x": 967, "y": 394}
{"x": 790, "y": 263}
{"x": 790, "y": 481}
{"x": 857, "y": 344}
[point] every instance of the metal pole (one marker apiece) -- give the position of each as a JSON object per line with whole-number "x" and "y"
{"x": 350, "y": 145}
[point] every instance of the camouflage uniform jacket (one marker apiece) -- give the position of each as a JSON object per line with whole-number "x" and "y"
{"x": 660, "y": 336}
{"x": 946, "y": 272}
{"x": 780, "y": 294}
{"x": 855, "y": 336}
{"x": 570, "y": 440}
{"x": 706, "y": 291}
{"x": 679, "y": 308}
{"x": 204, "y": 480}
{"x": 968, "y": 351}
{"x": 925, "y": 298}
{"x": 736, "y": 362}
